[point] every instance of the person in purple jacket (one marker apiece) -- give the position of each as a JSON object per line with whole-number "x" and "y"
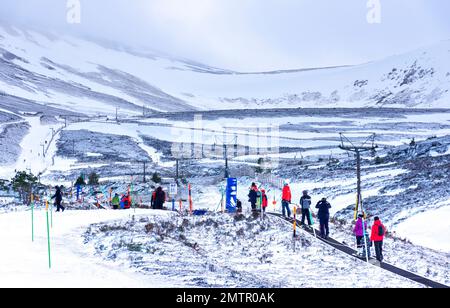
{"x": 359, "y": 232}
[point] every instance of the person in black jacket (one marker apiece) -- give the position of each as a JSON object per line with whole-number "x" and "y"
{"x": 324, "y": 217}
{"x": 58, "y": 199}
{"x": 160, "y": 198}
{"x": 253, "y": 196}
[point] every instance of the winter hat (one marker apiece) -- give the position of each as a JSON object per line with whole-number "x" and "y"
{"x": 305, "y": 192}
{"x": 376, "y": 218}
{"x": 361, "y": 216}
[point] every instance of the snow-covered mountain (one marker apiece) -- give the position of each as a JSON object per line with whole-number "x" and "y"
{"x": 90, "y": 77}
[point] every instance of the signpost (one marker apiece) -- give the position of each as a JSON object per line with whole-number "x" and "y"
{"x": 173, "y": 191}
{"x": 231, "y": 195}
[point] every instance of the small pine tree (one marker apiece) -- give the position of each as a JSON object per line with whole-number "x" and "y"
{"x": 3, "y": 185}
{"x": 156, "y": 178}
{"x": 379, "y": 160}
{"x": 80, "y": 181}
{"x": 94, "y": 179}
{"x": 23, "y": 183}
{"x": 260, "y": 168}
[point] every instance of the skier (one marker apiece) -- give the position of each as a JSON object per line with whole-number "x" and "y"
{"x": 152, "y": 201}
{"x": 378, "y": 233}
{"x": 253, "y": 196}
{"x": 265, "y": 201}
{"x": 58, "y": 199}
{"x": 324, "y": 216}
{"x": 359, "y": 232}
{"x": 125, "y": 202}
{"x": 286, "y": 199}
{"x": 160, "y": 198}
{"x": 116, "y": 202}
{"x": 238, "y": 206}
{"x": 305, "y": 203}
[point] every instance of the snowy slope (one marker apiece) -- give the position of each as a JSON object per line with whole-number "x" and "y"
{"x": 93, "y": 77}
{"x": 418, "y": 229}
{"x": 25, "y": 264}
{"x": 118, "y": 250}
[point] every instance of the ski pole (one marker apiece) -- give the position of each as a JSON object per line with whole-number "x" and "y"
{"x": 190, "y": 199}
{"x": 365, "y": 239}
{"x": 51, "y": 215}
{"x": 221, "y": 201}
{"x": 48, "y": 237}
{"x": 110, "y": 196}
{"x": 295, "y": 221}
{"x": 131, "y": 202}
{"x": 311, "y": 217}
{"x": 261, "y": 202}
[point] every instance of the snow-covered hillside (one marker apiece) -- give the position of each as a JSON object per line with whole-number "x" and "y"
{"x": 160, "y": 249}
{"x": 89, "y": 77}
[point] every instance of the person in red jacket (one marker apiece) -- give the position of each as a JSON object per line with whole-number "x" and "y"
{"x": 378, "y": 233}
{"x": 126, "y": 202}
{"x": 152, "y": 201}
{"x": 265, "y": 201}
{"x": 286, "y": 199}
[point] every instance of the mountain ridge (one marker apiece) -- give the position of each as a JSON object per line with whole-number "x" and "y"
{"x": 90, "y": 78}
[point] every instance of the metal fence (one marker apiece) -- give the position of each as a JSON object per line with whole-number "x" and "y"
{"x": 271, "y": 179}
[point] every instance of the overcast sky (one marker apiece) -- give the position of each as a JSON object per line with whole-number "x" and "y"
{"x": 250, "y": 35}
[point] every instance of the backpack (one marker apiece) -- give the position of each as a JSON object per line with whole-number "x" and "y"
{"x": 380, "y": 231}
{"x": 306, "y": 203}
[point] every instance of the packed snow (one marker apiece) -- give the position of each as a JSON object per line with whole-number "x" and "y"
{"x": 140, "y": 249}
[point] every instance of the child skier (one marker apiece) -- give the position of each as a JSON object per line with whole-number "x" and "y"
{"x": 116, "y": 202}
{"x": 265, "y": 201}
{"x": 58, "y": 199}
{"x": 359, "y": 231}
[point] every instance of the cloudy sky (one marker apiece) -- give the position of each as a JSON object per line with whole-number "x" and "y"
{"x": 249, "y": 35}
